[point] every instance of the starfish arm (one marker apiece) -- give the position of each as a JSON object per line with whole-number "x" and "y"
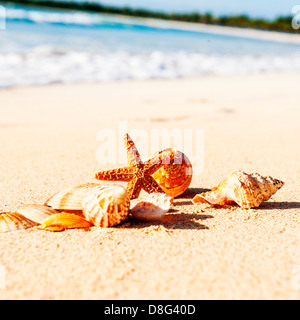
{"x": 134, "y": 188}
{"x": 150, "y": 185}
{"x": 133, "y": 155}
{"x": 150, "y": 167}
{"x": 158, "y": 160}
{"x": 120, "y": 174}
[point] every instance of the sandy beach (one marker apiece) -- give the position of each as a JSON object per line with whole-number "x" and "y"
{"x": 49, "y": 141}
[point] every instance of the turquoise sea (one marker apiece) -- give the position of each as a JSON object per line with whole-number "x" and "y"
{"x": 41, "y": 46}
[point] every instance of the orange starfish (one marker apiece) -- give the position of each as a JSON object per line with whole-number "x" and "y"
{"x": 138, "y": 174}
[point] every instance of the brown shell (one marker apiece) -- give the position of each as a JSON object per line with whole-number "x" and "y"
{"x": 247, "y": 190}
{"x": 106, "y": 205}
{"x": 70, "y": 198}
{"x": 176, "y": 174}
{"x": 36, "y": 212}
{"x": 12, "y": 221}
{"x": 64, "y": 220}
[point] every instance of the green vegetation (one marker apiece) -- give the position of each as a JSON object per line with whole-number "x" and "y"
{"x": 279, "y": 24}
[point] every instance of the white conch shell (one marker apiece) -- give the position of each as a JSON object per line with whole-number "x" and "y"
{"x": 106, "y": 205}
{"x": 152, "y": 208}
{"x": 36, "y": 212}
{"x": 70, "y": 198}
{"x": 247, "y": 190}
{"x": 12, "y": 221}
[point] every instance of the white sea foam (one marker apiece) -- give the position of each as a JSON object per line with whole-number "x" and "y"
{"x": 44, "y": 65}
{"x": 114, "y": 48}
{"x": 43, "y": 16}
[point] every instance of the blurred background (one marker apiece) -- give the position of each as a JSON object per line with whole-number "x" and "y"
{"x": 63, "y": 42}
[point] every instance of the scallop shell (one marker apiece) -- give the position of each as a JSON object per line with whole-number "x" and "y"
{"x": 12, "y": 221}
{"x": 70, "y": 198}
{"x": 64, "y": 220}
{"x": 36, "y": 212}
{"x": 106, "y": 205}
{"x": 176, "y": 174}
{"x": 247, "y": 190}
{"x": 152, "y": 208}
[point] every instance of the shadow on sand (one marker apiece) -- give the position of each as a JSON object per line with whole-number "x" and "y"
{"x": 172, "y": 221}
{"x": 176, "y": 219}
{"x": 278, "y": 205}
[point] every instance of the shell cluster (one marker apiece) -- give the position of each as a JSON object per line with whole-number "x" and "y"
{"x": 83, "y": 206}
{"x": 107, "y": 205}
{"x": 246, "y": 190}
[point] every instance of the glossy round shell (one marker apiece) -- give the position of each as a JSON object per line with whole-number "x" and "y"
{"x": 175, "y": 176}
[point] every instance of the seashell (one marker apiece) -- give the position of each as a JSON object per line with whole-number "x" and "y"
{"x": 247, "y": 190}
{"x": 12, "y": 221}
{"x": 152, "y": 208}
{"x": 36, "y": 212}
{"x": 175, "y": 176}
{"x": 64, "y": 220}
{"x": 70, "y": 198}
{"x": 106, "y": 205}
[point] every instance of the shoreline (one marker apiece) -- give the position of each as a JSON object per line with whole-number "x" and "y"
{"x": 137, "y": 13}
{"x": 152, "y": 80}
{"x": 240, "y": 32}
{"x": 265, "y": 35}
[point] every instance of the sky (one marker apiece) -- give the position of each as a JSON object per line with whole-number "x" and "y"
{"x": 255, "y": 8}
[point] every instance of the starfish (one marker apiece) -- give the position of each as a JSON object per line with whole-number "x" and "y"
{"x": 138, "y": 174}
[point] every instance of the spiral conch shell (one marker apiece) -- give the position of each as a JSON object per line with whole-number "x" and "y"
{"x": 106, "y": 205}
{"x": 175, "y": 176}
{"x": 247, "y": 190}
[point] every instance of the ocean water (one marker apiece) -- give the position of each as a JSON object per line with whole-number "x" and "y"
{"x": 42, "y": 46}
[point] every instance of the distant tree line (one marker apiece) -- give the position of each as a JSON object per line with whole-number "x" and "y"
{"x": 279, "y": 24}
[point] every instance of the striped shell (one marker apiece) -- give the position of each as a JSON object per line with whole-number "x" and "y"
{"x": 106, "y": 206}
{"x": 70, "y": 198}
{"x": 64, "y": 220}
{"x": 12, "y": 221}
{"x": 152, "y": 208}
{"x": 36, "y": 212}
{"x": 247, "y": 190}
{"x": 176, "y": 175}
